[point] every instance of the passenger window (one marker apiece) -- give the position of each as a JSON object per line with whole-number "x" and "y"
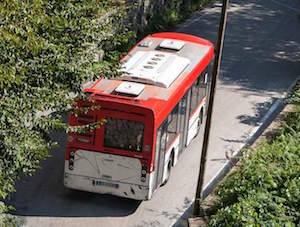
{"x": 194, "y": 97}
{"x": 172, "y": 125}
{"x": 202, "y": 85}
{"x": 163, "y": 140}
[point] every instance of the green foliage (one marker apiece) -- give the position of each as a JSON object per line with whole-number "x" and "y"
{"x": 48, "y": 50}
{"x": 7, "y": 219}
{"x": 294, "y": 97}
{"x": 163, "y": 15}
{"x": 265, "y": 190}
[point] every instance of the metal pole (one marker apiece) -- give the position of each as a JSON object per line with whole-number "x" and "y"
{"x": 215, "y": 75}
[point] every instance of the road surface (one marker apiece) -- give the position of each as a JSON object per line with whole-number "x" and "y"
{"x": 261, "y": 60}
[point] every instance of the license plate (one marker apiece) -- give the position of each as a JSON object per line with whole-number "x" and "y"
{"x": 105, "y": 184}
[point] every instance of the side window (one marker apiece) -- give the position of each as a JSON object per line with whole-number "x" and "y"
{"x": 172, "y": 125}
{"x": 183, "y": 104}
{"x": 202, "y": 85}
{"x": 158, "y": 137}
{"x": 166, "y": 133}
{"x": 163, "y": 139}
{"x": 194, "y": 97}
{"x": 198, "y": 91}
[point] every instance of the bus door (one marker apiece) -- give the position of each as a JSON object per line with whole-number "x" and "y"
{"x": 161, "y": 142}
{"x": 183, "y": 120}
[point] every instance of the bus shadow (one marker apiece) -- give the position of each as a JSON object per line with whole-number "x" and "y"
{"x": 44, "y": 194}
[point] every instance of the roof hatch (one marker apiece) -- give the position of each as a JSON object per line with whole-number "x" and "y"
{"x": 130, "y": 88}
{"x": 172, "y": 44}
{"x": 154, "y": 67}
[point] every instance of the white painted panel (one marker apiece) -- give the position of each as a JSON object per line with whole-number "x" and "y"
{"x": 107, "y": 166}
{"x": 175, "y": 146}
{"x": 84, "y": 183}
{"x": 193, "y": 124}
{"x": 111, "y": 170}
{"x": 151, "y": 185}
{"x": 176, "y": 156}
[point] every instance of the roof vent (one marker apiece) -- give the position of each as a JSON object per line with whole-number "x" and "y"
{"x": 130, "y": 88}
{"x": 154, "y": 67}
{"x": 172, "y": 44}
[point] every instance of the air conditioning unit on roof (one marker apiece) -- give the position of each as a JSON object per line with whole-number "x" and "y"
{"x": 154, "y": 67}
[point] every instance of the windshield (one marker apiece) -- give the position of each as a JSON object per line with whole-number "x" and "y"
{"x": 123, "y": 134}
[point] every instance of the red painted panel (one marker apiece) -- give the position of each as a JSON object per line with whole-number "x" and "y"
{"x": 154, "y": 110}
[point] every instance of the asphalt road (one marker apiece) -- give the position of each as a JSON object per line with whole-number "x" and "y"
{"x": 261, "y": 60}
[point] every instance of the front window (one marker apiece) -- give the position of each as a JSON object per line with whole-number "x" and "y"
{"x": 124, "y": 134}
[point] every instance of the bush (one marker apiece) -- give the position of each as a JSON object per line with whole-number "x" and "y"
{"x": 152, "y": 16}
{"x": 265, "y": 190}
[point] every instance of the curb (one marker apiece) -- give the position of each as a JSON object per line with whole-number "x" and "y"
{"x": 276, "y": 107}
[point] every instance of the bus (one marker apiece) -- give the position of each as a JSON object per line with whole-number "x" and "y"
{"x": 152, "y": 112}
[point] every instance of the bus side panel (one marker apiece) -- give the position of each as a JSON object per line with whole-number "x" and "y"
{"x": 174, "y": 147}
{"x": 159, "y": 156}
{"x": 193, "y": 122}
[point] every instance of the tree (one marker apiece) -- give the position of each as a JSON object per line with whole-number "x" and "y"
{"x": 48, "y": 50}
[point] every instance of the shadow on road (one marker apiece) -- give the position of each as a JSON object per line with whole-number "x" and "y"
{"x": 261, "y": 55}
{"x": 260, "y": 110}
{"x": 44, "y": 194}
{"x": 170, "y": 215}
{"x": 253, "y": 42}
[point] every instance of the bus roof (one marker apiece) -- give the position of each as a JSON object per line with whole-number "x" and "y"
{"x": 158, "y": 68}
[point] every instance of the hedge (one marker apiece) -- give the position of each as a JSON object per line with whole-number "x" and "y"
{"x": 265, "y": 190}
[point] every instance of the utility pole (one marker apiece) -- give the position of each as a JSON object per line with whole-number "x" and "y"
{"x": 215, "y": 74}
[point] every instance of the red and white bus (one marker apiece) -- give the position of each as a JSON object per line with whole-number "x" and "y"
{"x": 152, "y": 113}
